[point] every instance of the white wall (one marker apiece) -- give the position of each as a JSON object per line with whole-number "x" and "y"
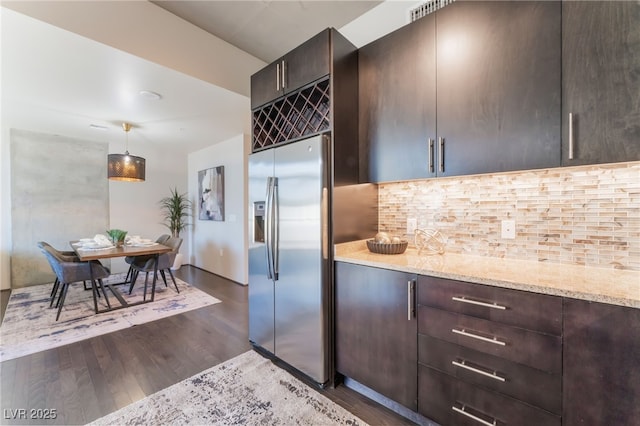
{"x": 221, "y": 247}
{"x": 134, "y": 206}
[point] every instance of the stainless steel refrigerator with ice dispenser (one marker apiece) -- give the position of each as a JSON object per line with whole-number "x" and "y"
{"x": 289, "y": 269}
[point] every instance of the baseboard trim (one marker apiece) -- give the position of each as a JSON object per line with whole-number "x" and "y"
{"x": 389, "y": 403}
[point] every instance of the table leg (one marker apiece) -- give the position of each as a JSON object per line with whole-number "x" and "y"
{"x": 155, "y": 276}
{"x": 94, "y": 290}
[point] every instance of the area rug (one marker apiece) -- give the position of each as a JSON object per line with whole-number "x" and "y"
{"x": 246, "y": 390}
{"x": 30, "y": 326}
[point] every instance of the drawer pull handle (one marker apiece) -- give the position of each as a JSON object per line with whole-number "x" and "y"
{"x": 471, "y": 416}
{"x": 494, "y": 340}
{"x": 492, "y": 375}
{"x": 477, "y": 302}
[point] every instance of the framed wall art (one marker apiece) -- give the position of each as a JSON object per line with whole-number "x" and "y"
{"x": 211, "y": 192}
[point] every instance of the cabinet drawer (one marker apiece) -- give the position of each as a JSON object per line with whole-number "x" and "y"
{"x": 527, "y": 384}
{"x": 538, "y": 312}
{"x": 537, "y": 350}
{"x": 442, "y": 397}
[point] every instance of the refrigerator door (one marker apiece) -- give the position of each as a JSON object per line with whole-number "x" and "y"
{"x": 301, "y": 260}
{"x": 261, "y": 290}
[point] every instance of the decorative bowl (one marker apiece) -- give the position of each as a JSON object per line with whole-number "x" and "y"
{"x": 387, "y": 248}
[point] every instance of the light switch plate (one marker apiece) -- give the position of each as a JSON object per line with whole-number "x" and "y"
{"x": 508, "y": 229}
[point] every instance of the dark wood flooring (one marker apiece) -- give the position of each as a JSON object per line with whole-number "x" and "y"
{"x": 86, "y": 380}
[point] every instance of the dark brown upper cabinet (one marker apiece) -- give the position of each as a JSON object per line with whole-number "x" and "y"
{"x": 304, "y": 64}
{"x": 397, "y": 102}
{"x": 601, "y": 82}
{"x": 472, "y": 88}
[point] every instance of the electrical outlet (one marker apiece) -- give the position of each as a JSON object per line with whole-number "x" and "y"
{"x": 221, "y": 252}
{"x": 412, "y": 224}
{"x": 509, "y": 229}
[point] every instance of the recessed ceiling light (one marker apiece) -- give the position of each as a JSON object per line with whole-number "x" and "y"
{"x": 98, "y": 127}
{"x": 148, "y": 94}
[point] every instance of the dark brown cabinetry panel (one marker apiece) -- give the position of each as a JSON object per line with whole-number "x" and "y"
{"x": 398, "y": 102}
{"x": 601, "y": 373}
{"x": 308, "y": 62}
{"x": 499, "y": 85}
{"x": 601, "y": 81}
{"x": 376, "y": 334}
{"x": 496, "y": 352}
{"x": 442, "y": 397}
{"x": 265, "y": 85}
{"x": 537, "y": 350}
{"x": 532, "y": 311}
{"x": 489, "y": 71}
{"x": 521, "y": 382}
{"x": 304, "y": 64}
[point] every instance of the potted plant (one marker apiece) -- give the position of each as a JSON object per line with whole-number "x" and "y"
{"x": 117, "y": 236}
{"x": 176, "y": 209}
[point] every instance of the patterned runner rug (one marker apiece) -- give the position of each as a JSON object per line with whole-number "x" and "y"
{"x": 246, "y": 390}
{"x": 30, "y": 326}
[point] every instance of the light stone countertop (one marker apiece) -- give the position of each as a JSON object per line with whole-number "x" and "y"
{"x": 613, "y": 286}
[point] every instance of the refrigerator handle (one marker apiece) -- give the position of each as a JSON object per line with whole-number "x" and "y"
{"x": 276, "y": 231}
{"x": 325, "y": 223}
{"x": 268, "y": 229}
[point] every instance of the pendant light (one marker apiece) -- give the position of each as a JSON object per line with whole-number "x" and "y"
{"x": 126, "y": 167}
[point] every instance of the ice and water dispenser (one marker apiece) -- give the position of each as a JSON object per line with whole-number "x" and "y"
{"x": 258, "y": 222}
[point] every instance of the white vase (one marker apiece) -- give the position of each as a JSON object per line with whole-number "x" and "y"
{"x": 177, "y": 262}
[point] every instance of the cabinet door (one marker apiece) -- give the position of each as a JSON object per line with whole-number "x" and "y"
{"x": 601, "y": 81}
{"x": 499, "y": 85}
{"x": 307, "y": 62}
{"x": 397, "y": 102}
{"x": 376, "y": 332}
{"x": 266, "y": 85}
{"x": 601, "y": 377}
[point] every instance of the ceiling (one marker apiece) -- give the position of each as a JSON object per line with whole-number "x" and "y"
{"x": 57, "y": 82}
{"x": 267, "y": 29}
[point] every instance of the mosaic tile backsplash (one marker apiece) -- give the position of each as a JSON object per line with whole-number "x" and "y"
{"x": 587, "y": 215}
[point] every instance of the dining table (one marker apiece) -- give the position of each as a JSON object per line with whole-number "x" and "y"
{"x": 86, "y": 254}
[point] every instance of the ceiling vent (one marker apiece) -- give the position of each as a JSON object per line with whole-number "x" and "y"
{"x": 426, "y": 8}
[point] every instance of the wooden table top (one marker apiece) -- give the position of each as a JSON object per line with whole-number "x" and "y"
{"x": 97, "y": 254}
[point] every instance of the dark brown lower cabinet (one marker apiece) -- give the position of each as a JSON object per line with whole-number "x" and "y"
{"x": 376, "y": 330}
{"x": 450, "y": 401}
{"x": 494, "y": 362}
{"x": 519, "y": 381}
{"x": 601, "y": 364}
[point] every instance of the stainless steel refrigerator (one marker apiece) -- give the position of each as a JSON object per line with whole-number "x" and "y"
{"x": 289, "y": 269}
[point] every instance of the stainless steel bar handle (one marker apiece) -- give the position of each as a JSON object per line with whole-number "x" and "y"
{"x": 493, "y": 340}
{"x": 570, "y": 136}
{"x": 441, "y": 154}
{"x": 276, "y": 229}
{"x": 463, "y": 299}
{"x": 492, "y": 375}
{"x": 277, "y": 77}
{"x": 325, "y": 223}
{"x": 410, "y": 298}
{"x": 283, "y": 74}
{"x": 471, "y": 416}
{"x": 268, "y": 229}
{"x": 431, "y": 170}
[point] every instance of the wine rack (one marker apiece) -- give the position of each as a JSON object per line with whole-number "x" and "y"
{"x": 300, "y": 114}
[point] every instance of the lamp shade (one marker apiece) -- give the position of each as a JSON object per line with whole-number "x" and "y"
{"x": 126, "y": 167}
